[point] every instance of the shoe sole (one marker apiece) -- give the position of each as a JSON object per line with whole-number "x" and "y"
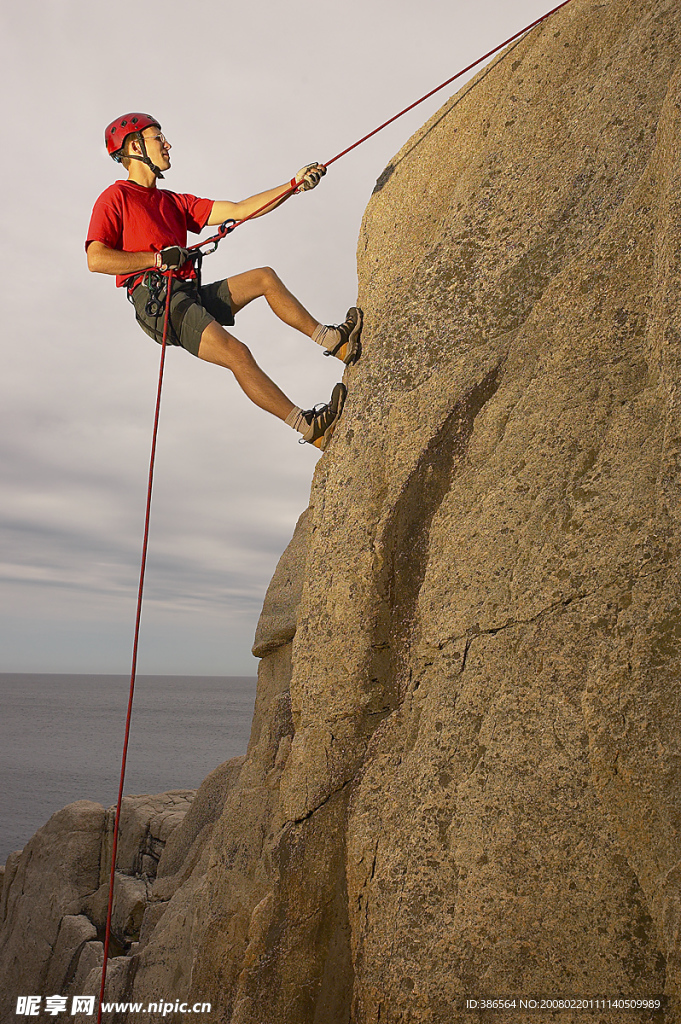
{"x": 336, "y": 404}
{"x": 353, "y": 342}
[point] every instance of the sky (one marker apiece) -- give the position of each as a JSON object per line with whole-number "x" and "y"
{"x": 246, "y": 94}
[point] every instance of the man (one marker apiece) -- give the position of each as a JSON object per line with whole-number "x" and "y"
{"x": 137, "y": 228}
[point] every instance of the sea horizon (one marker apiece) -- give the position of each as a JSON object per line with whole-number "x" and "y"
{"x": 61, "y": 739}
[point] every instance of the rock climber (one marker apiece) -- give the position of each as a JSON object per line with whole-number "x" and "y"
{"x": 138, "y": 230}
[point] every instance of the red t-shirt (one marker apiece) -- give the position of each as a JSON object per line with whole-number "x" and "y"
{"x": 132, "y": 218}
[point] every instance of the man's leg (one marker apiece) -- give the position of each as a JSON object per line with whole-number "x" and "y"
{"x": 217, "y": 346}
{"x": 243, "y": 288}
{"x": 342, "y": 341}
{"x": 316, "y": 425}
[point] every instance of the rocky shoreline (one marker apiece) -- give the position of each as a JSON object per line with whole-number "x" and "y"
{"x": 56, "y": 889}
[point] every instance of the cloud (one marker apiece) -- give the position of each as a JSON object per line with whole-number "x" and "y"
{"x": 246, "y": 95}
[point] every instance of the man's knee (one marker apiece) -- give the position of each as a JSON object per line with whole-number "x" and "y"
{"x": 267, "y": 279}
{"x": 218, "y": 346}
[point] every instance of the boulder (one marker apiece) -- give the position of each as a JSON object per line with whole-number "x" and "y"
{"x": 50, "y": 879}
{"x": 119, "y": 978}
{"x": 87, "y": 977}
{"x": 192, "y": 835}
{"x": 277, "y": 622}
{"x": 75, "y": 930}
{"x": 55, "y": 892}
{"x": 130, "y": 900}
{"x": 146, "y": 824}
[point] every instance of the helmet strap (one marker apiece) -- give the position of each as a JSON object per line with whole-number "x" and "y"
{"x": 145, "y": 158}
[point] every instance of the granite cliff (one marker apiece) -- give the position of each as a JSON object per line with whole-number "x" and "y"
{"x": 464, "y": 773}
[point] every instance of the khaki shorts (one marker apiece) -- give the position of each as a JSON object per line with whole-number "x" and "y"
{"x": 192, "y": 309}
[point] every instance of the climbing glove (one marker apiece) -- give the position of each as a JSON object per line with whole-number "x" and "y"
{"x": 172, "y": 257}
{"x": 308, "y": 177}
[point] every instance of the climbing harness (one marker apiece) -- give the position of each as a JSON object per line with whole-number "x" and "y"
{"x": 156, "y": 284}
{"x": 155, "y": 280}
{"x": 160, "y": 289}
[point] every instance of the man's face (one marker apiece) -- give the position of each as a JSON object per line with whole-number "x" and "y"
{"x": 157, "y": 147}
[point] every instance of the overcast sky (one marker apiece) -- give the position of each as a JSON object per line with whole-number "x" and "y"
{"x": 246, "y": 94}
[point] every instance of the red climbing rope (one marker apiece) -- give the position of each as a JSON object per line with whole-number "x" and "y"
{"x": 214, "y": 240}
{"x": 224, "y": 230}
{"x": 135, "y": 646}
{"x": 448, "y": 82}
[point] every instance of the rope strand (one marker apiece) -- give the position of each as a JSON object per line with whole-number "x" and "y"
{"x": 135, "y": 646}
{"x": 291, "y": 188}
{"x": 449, "y": 81}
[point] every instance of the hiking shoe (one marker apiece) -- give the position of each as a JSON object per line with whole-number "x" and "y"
{"x": 349, "y": 348}
{"x": 323, "y": 418}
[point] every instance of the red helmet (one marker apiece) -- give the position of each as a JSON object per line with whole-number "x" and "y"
{"x": 115, "y": 133}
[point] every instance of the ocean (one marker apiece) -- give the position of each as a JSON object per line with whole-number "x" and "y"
{"x": 61, "y": 739}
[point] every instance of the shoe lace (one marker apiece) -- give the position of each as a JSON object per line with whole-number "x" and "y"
{"x": 315, "y": 411}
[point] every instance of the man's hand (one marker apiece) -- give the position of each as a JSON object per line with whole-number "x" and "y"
{"x": 308, "y": 177}
{"x": 172, "y": 257}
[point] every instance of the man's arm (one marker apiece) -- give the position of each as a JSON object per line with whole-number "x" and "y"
{"x": 103, "y": 260}
{"x": 270, "y": 200}
{"x": 224, "y": 210}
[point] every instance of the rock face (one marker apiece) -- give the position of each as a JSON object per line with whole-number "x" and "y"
{"x": 42, "y": 897}
{"x": 463, "y": 777}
